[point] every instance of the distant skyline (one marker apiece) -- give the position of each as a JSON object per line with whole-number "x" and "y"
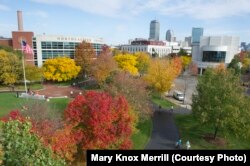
{"x": 117, "y": 21}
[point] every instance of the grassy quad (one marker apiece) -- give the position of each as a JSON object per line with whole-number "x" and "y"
{"x": 9, "y": 102}
{"x": 191, "y": 130}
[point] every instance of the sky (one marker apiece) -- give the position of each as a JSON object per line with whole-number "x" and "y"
{"x": 117, "y": 21}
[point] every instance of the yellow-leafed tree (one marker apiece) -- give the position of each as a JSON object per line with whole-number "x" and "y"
{"x": 127, "y": 62}
{"x": 162, "y": 72}
{"x": 186, "y": 60}
{"x": 60, "y": 69}
{"x": 143, "y": 60}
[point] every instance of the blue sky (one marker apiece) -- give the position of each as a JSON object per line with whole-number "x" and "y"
{"x": 117, "y": 21}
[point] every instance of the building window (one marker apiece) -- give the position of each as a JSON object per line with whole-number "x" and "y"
{"x": 213, "y": 56}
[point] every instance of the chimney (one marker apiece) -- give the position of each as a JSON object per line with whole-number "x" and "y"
{"x": 20, "y": 20}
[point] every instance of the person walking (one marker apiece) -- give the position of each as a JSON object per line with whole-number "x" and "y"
{"x": 188, "y": 145}
{"x": 172, "y": 109}
{"x": 179, "y": 144}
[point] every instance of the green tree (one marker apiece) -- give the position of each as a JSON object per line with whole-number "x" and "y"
{"x": 182, "y": 52}
{"x": 10, "y": 69}
{"x": 235, "y": 65}
{"x": 220, "y": 102}
{"x": 22, "y": 147}
{"x": 84, "y": 56}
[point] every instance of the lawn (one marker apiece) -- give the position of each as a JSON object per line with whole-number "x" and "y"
{"x": 191, "y": 130}
{"x": 33, "y": 86}
{"x": 9, "y": 101}
{"x": 141, "y": 138}
{"x": 156, "y": 99}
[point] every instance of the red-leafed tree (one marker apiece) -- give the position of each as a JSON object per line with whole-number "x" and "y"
{"x": 105, "y": 122}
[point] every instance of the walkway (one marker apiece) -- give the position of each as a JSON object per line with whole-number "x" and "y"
{"x": 165, "y": 133}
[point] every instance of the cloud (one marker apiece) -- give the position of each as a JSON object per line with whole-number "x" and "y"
{"x": 199, "y": 9}
{"x": 37, "y": 13}
{"x": 4, "y": 8}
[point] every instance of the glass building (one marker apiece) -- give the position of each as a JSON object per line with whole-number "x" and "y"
{"x": 154, "y": 30}
{"x": 47, "y": 47}
{"x": 196, "y": 34}
{"x": 169, "y": 35}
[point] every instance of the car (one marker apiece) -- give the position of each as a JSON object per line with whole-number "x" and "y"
{"x": 178, "y": 95}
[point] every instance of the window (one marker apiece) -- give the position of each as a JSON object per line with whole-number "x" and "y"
{"x": 213, "y": 56}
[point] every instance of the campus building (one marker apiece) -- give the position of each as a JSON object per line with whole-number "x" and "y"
{"x": 47, "y": 46}
{"x": 214, "y": 50}
{"x": 149, "y": 46}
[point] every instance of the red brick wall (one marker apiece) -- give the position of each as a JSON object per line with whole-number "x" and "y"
{"x": 6, "y": 42}
{"x": 17, "y": 36}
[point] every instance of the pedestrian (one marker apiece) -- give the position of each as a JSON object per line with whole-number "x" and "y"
{"x": 188, "y": 145}
{"x": 179, "y": 144}
{"x": 172, "y": 109}
{"x": 159, "y": 107}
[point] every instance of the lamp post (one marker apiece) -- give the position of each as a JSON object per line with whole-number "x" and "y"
{"x": 24, "y": 76}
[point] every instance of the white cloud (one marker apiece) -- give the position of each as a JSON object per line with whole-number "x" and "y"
{"x": 4, "y": 8}
{"x": 37, "y": 13}
{"x": 199, "y": 9}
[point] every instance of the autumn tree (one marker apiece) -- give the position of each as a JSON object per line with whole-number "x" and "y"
{"x": 134, "y": 89}
{"x": 105, "y": 122}
{"x": 22, "y": 147}
{"x": 33, "y": 73}
{"x": 235, "y": 65}
{"x": 162, "y": 72}
{"x": 10, "y": 69}
{"x": 193, "y": 69}
{"x": 102, "y": 67}
{"x": 220, "y": 102}
{"x": 127, "y": 62}
{"x": 84, "y": 55}
{"x": 186, "y": 60}
{"x": 60, "y": 69}
{"x": 143, "y": 60}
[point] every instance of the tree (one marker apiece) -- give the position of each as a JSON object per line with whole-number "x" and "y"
{"x": 221, "y": 103}
{"x": 182, "y": 52}
{"x": 186, "y": 60}
{"x": 22, "y": 147}
{"x": 143, "y": 60}
{"x": 33, "y": 73}
{"x": 134, "y": 89}
{"x": 103, "y": 66}
{"x": 84, "y": 55}
{"x": 60, "y": 69}
{"x": 105, "y": 122}
{"x": 127, "y": 62}
{"x": 235, "y": 65}
{"x": 193, "y": 68}
{"x": 162, "y": 72}
{"x": 10, "y": 69}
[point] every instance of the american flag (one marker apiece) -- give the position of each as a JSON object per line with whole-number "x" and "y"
{"x": 26, "y": 48}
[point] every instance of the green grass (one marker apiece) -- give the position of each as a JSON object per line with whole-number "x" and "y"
{"x": 141, "y": 138}
{"x": 9, "y": 102}
{"x": 156, "y": 98}
{"x": 33, "y": 86}
{"x": 65, "y": 83}
{"x": 191, "y": 130}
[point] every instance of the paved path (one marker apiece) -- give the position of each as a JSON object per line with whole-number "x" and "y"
{"x": 165, "y": 133}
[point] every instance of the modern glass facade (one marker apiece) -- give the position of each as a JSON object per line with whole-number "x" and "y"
{"x": 47, "y": 47}
{"x": 196, "y": 34}
{"x": 214, "y": 56}
{"x": 154, "y": 30}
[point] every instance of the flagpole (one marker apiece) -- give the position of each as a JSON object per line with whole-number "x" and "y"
{"x": 24, "y": 76}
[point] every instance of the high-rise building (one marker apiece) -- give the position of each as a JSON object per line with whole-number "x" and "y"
{"x": 170, "y": 35}
{"x": 196, "y": 34}
{"x": 188, "y": 41}
{"x": 154, "y": 30}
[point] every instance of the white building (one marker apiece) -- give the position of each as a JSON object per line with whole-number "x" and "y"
{"x": 214, "y": 50}
{"x": 149, "y": 46}
{"x": 51, "y": 46}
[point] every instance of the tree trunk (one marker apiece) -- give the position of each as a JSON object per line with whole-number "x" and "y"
{"x": 215, "y": 132}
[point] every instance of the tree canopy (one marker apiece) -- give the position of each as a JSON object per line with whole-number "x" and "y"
{"x": 127, "y": 62}
{"x": 60, "y": 69}
{"x": 220, "y": 102}
{"x": 11, "y": 67}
